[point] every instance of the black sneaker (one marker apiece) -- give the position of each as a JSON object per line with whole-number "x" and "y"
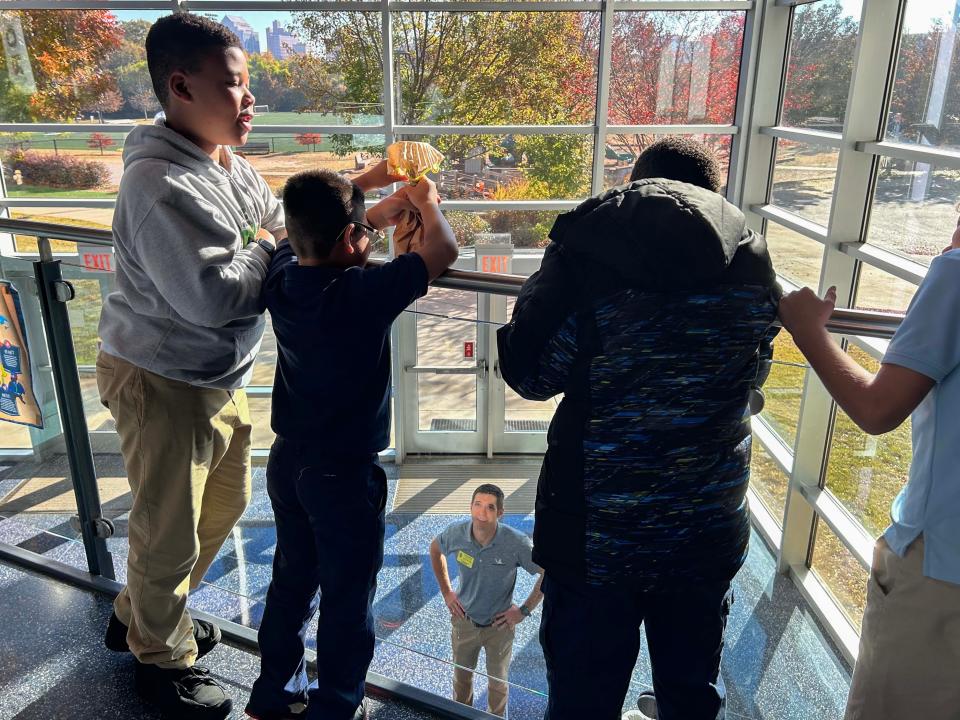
{"x": 296, "y": 711}
{"x": 205, "y": 633}
{"x": 183, "y": 694}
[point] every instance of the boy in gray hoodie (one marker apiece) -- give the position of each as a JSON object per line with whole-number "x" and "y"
{"x": 194, "y": 231}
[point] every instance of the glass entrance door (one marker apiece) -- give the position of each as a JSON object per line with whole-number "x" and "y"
{"x": 451, "y": 398}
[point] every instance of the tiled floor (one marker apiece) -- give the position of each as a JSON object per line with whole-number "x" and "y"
{"x": 778, "y": 664}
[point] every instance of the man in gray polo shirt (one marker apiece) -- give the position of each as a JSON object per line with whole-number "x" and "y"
{"x": 482, "y": 612}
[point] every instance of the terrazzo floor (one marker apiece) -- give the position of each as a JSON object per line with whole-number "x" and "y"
{"x": 778, "y": 663}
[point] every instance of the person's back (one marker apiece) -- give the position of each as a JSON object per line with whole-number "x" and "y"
{"x": 653, "y": 314}
{"x": 331, "y": 314}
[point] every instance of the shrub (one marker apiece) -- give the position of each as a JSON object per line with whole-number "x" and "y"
{"x": 57, "y": 171}
{"x": 465, "y": 226}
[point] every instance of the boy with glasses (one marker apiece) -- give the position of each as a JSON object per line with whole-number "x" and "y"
{"x": 331, "y": 412}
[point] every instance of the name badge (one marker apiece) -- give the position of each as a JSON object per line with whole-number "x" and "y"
{"x": 464, "y": 559}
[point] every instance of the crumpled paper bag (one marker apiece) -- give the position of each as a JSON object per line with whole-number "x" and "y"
{"x": 412, "y": 160}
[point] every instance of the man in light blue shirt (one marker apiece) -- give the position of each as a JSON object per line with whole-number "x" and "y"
{"x": 910, "y": 639}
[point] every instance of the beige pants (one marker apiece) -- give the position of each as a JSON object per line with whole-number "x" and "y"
{"x": 909, "y": 662}
{"x": 467, "y": 640}
{"x": 187, "y": 456}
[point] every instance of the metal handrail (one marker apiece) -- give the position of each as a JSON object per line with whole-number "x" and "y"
{"x": 863, "y": 323}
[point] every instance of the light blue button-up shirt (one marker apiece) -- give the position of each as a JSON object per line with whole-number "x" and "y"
{"x": 928, "y": 342}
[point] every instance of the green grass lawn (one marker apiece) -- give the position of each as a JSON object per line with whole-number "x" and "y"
{"x": 38, "y": 191}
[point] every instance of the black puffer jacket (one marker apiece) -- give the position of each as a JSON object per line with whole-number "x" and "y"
{"x": 652, "y": 313}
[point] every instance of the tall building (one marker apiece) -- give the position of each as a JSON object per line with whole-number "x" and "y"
{"x": 249, "y": 37}
{"x": 282, "y": 43}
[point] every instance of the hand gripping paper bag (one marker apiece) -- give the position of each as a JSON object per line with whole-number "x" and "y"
{"x": 412, "y": 160}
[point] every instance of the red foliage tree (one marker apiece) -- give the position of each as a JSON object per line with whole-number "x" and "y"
{"x": 311, "y": 139}
{"x": 99, "y": 140}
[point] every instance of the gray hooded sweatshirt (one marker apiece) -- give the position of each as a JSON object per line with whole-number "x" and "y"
{"x": 187, "y": 304}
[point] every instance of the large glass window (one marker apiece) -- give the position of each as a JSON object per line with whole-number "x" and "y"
{"x": 768, "y": 481}
{"x": 675, "y": 67}
{"x": 784, "y": 388}
{"x": 925, "y": 107}
{"x": 623, "y": 149}
{"x": 914, "y": 208}
{"x": 822, "y": 44}
{"x": 841, "y": 572}
{"x": 803, "y": 179}
{"x": 795, "y": 257}
{"x": 879, "y": 290}
{"x": 865, "y": 472}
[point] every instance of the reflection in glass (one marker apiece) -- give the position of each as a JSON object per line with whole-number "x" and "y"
{"x": 623, "y": 149}
{"x": 914, "y": 208}
{"x": 795, "y": 257}
{"x": 822, "y": 44}
{"x": 675, "y": 67}
{"x": 803, "y": 179}
{"x": 865, "y": 472}
{"x": 841, "y": 572}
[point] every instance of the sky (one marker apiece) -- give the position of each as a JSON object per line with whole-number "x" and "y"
{"x": 259, "y": 20}
{"x": 920, "y": 14}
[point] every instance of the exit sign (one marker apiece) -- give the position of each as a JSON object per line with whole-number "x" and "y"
{"x": 96, "y": 258}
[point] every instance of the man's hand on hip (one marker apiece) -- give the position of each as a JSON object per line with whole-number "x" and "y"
{"x": 453, "y": 605}
{"x": 508, "y": 618}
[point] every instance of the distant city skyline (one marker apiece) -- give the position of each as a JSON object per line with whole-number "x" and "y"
{"x": 260, "y": 21}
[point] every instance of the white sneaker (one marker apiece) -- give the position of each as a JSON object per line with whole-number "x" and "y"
{"x": 633, "y": 715}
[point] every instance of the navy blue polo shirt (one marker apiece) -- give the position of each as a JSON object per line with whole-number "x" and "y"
{"x": 332, "y": 387}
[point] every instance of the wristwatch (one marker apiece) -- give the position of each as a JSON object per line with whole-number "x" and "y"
{"x": 267, "y": 247}
{"x": 525, "y": 611}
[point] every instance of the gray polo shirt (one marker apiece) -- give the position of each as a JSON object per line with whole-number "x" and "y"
{"x": 487, "y": 574}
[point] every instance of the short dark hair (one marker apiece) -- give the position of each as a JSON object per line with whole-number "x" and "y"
{"x": 318, "y": 205}
{"x": 489, "y": 489}
{"x": 679, "y": 158}
{"x": 180, "y": 42}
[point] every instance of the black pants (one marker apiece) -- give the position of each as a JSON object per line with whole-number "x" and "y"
{"x": 591, "y": 639}
{"x": 330, "y": 525}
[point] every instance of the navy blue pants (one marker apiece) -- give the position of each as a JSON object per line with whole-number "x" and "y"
{"x": 591, "y": 639}
{"x": 330, "y": 524}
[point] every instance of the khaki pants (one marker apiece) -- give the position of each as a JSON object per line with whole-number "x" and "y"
{"x": 909, "y": 662}
{"x": 467, "y": 640}
{"x": 187, "y": 456}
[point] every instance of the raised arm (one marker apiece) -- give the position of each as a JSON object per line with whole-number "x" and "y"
{"x": 876, "y": 403}
{"x": 439, "y": 250}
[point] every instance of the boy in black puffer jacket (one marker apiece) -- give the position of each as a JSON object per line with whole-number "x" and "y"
{"x": 652, "y": 312}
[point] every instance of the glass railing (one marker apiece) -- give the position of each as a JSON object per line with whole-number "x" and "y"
{"x": 412, "y": 623}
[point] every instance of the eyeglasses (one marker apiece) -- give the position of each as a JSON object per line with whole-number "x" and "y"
{"x": 372, "y": 233}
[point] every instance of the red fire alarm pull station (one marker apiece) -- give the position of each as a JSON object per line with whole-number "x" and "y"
{"x": 468, "y": 350}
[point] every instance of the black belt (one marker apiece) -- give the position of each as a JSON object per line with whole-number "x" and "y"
{"x": 476, "y": 624}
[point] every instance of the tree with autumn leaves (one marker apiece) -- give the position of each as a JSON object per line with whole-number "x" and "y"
{"x": 67, "y": 48}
